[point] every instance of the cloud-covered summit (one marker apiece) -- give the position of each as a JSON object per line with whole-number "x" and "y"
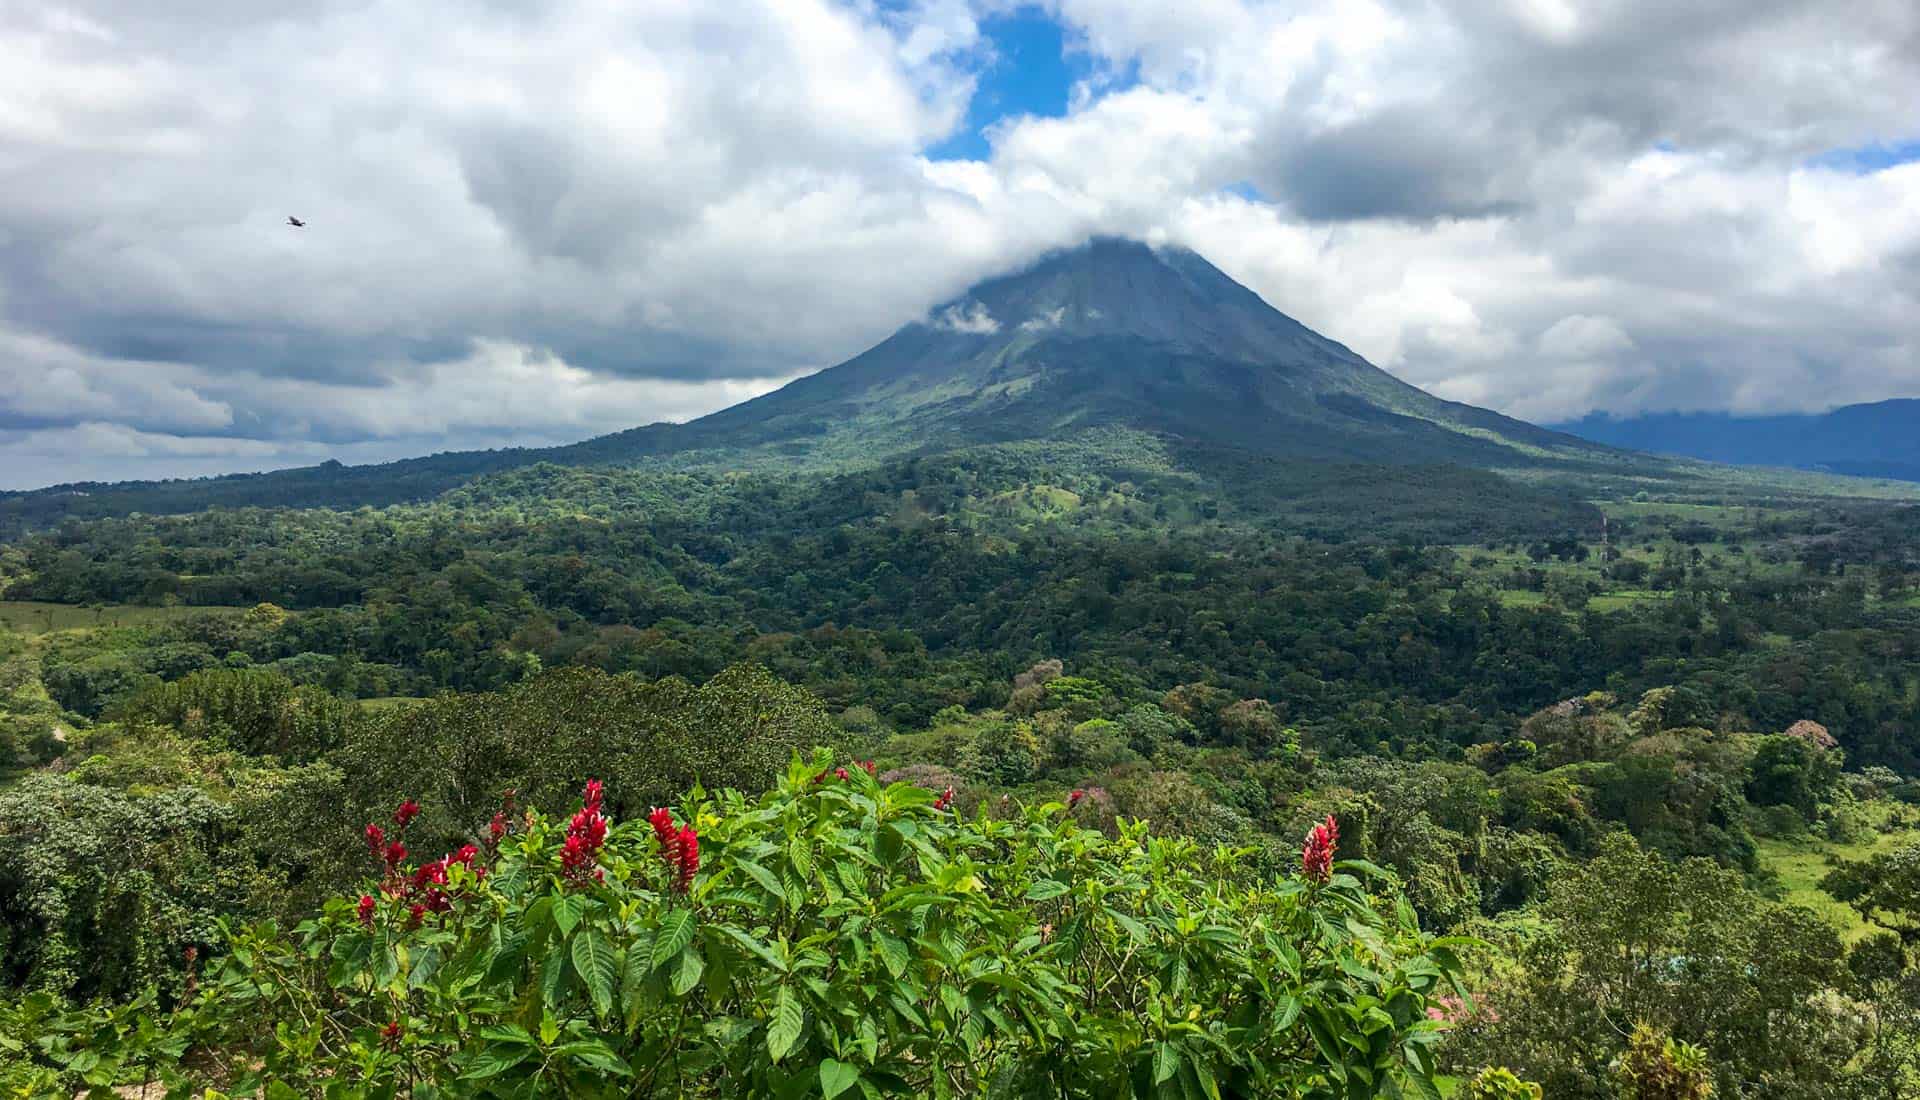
{"x": 535, "y": 224}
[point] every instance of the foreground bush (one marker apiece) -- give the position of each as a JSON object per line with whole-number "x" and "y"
{"x": 836, "y": 937}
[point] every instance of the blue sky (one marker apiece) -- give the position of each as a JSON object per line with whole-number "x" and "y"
{"x": 1028, "y": 71}
{"x": 1871, "y": 158}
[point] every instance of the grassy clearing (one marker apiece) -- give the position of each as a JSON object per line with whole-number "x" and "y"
{"x": 1625, "y": 598}
{"x": 1511, "y": 597}
{"x": 389, "y": 702}
{"x": 34, "y": 617}
{"x": 1801, "y": 862}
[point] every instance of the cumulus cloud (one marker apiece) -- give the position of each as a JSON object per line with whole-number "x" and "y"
{"x": 973, "y": 319}
{"x": 1045, "y": 321}
{"x": 535, "y": 224}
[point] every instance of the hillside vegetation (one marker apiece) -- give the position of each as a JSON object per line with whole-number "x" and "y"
{"x": 1119, "y": 690}
{"x": 1672, "y": 731}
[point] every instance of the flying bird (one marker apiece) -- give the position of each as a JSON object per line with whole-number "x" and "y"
{"x": 296, "y": 222}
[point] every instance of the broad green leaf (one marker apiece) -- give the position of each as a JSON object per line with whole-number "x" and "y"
{"x": 784, "y": 1027}
{"x": 567, "y": 909}
{"x": 767, "y": 879}
{"x": 1203, "y": 1073}
{"x": 800, "y": 856}
{"x": 553, "y": 973}
{"x": 1166, "y": 1062}
{"x": 893, "y": 952}
{"x": 1045, "y": 888}
{"x": 675, "y": 932}
{"x": 493, "y": 1060}
{"x": 595, "y": 1054}
{"x": 760, "y": 950}
{"x": 594, "y": 960}
{"x": 686, "y": 972}
{"x": 836, "y": 1078}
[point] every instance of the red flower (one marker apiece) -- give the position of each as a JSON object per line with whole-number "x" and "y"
{"x": 587, "y": 832}
{"x": 376, "y": 838}
{"x": 406, "y": 813}
{"x": 839, "y": 773}
{"x": 686, "y": 858}
{"x": 1316, "y": 855}
{"x": 366, "y": 909}
{"x": 390, "y": 1035}
{"x": 465, "y": 855}
{"x": 430, "y": 874}
{"x": 496, "y": 829}
{"x": 395, "y": 854}
{"x": 1074, "y": 798}
{"x": 868, "y": 765}
{"x": 945, "y": 799}
{"x": 415, "y": 913}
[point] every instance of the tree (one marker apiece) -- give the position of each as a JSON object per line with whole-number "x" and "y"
{"x": 1791, "y": 771}
{"x": 1254, "y": 725}
{"x": 1631, "y": 938}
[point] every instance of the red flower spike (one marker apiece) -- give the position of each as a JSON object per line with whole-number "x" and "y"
{"x": 390, "y": 1035}
{"x": 662, "y": 821}
{"x": 395, "y": 854}
{"x": 945, "y": 799}
{"x": 365, "y": 909}
{"x": 415, "y": 913}
{"x": 868, "y": 766}
{"x": 839, "y": 773}
{"x": 496, "y": 830}
{"x": 376, "y": 838}
{"x": 406, "y": 813}
{"x": 1074, "y": 798}
{"x": 686, "y": 858}
{"x": 1316, "y": 855}
{"x": 587, "y": 832}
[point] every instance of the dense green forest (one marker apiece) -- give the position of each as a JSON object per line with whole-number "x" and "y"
{"x": 1605, "y": 786}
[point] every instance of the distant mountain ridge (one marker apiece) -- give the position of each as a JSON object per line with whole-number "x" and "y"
{"x": 1113, "y": 336}
{"x": 1880, "y": 439}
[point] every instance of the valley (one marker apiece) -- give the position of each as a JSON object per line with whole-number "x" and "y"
{"x": 1141, "y": 642}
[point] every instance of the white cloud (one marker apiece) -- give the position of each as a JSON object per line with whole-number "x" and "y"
{"x": 1045, "y": 321}
{"x": 531, "y": 224}
{"x": 974, "y": 320}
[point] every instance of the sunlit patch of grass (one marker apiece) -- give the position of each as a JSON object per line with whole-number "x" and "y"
{"x": 1801, "y": 862}
{"x": 35, "y": 617}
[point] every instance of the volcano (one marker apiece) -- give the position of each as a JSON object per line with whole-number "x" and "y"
{"x": 1112, "y": 344}
{"x": 1114, "y": 334}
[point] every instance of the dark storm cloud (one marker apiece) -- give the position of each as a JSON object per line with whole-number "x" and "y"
{"x": 1397, "y": 165}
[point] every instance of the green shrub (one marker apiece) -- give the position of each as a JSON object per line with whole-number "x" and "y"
{"x": 834, "y": 937}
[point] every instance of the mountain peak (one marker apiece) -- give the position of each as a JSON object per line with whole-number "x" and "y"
{"x": 1113, "y": 333}
{"x": 1117, "y": 286}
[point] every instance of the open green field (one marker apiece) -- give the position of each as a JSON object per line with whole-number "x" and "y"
{"x": 33, "y": 617}
{"x": 389, "y": 702}
{"x": 1801, "y": 862}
